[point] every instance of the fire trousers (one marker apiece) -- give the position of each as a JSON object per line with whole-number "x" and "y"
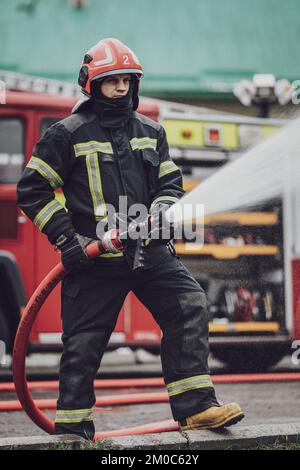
{"x": 91, "y": 302}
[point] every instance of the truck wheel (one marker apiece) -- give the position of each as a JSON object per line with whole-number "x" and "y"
{"x": 249, "y": 359}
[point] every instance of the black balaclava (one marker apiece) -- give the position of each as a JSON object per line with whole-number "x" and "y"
{"x": 113, "y": 112}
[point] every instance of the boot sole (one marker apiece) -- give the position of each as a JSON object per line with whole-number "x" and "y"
{"x": 223, "y": 424}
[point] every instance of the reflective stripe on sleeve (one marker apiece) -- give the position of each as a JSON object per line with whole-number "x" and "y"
{"x": 192, "y": 383}
{"x": 167, "y": 167}
{"x": 91, "y": 147}
{"x": 46, "y": 213}
{"x": 140, "y": 143}
{"x": 45, "y": 171}
{"x": 73, "y": 416}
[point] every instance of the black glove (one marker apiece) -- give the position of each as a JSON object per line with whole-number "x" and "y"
{"x": 160, "y": 229}
{"x": 73, "y": 255}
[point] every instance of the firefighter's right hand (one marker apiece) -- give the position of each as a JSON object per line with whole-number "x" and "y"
{"x": 73, "y": 254}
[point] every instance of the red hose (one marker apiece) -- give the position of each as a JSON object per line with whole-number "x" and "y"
{"x": 159, "y": 382}
{"x": 20, "y": 347}
{"x": 261, "y": 377}
{"x": 111, "y": 400}
{"x": 21, "y": 342}
{"x": 151, "y": 428}
{"x": 98, "y": 384}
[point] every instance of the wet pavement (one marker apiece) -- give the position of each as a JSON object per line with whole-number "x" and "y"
{"x": 263, "y": 403}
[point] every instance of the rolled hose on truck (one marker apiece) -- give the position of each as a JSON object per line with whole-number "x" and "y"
{"x": 21, "y": 342}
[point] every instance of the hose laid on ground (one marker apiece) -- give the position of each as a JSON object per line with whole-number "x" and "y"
{"x": 98, "y": 384}
{"x": 151, "y": 428}
{"x": 103, "y": 384}
{"x": 157, "y": 397}
{"x": 20, "y": 347}
{"x": 110, "y": 400}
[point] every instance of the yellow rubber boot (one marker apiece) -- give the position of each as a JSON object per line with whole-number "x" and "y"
{"x": 215, "y": 417}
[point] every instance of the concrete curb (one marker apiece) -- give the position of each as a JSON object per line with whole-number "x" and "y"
{"x": 63, "y": 442}
{"x": 240, "y": 437}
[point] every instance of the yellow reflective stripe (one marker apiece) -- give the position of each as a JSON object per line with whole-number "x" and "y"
{"x": 186, "y": 385}
{"x": 189, "y": 388}
{"x": 166, "y": 168}
{"x": 92, "y": 146}
{"x": 73, "y": 416}
{"x": 111, "y": 255}
{"x": 72, "y": 420}
{"x": 66, "y": 412}
{"x": 45, "y": 171}
{"x": 95, "y": 185}
{"x": 166, "y": 172}
{"x": 139, "y": 143}
{"x": 189, "y": 379}
{"x": 46, "y": 213}
{"x": 60, "y": 197}
{"x": 91, "y": 183}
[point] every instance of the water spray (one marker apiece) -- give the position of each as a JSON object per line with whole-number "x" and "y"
{"x": 269, "y": 170}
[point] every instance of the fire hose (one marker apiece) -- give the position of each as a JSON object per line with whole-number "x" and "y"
{"x": 111, "y": 243}
{"x": 159, "y": 382}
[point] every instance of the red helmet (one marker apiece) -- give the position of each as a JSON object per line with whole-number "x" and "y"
{"x": 107, "y": 57}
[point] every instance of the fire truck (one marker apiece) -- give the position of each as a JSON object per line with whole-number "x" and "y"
{"x": 248, "y": 265}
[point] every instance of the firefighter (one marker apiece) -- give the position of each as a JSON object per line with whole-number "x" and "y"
{"x": 102, "y": 151}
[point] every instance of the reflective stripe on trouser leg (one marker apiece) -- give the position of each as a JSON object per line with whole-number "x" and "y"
{"x": 186, "y": 385}
{"x": 79, "y": 422}
{"x": 75, "y": 422}
{"x": 74, "y": 416}
{"x": 197, "y": 392}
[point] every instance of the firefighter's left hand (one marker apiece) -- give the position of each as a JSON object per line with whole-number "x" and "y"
{"x": 73, "y": 254}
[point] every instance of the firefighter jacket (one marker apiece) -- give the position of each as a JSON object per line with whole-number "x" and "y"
{"x": 95, "y": 165}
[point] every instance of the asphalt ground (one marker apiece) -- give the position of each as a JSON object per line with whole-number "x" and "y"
{"x": 263, "y": 403}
